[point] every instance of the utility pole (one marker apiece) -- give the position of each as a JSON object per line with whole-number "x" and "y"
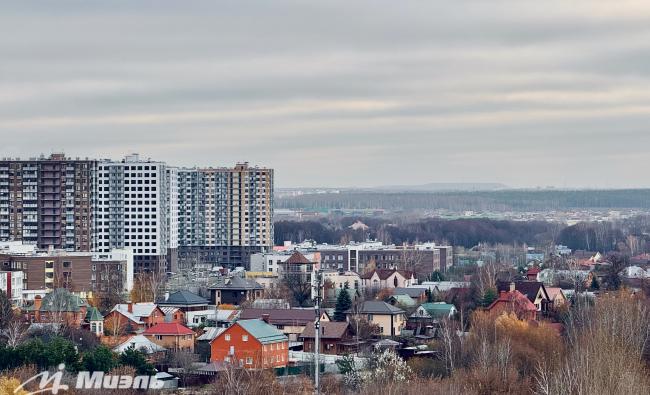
{"x": 316, "y": 283}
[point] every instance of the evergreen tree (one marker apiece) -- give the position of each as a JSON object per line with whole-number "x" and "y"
{"x": 489, "y": 297}
{"x": 343, "y": 303}
{"x": 137, "y": 359}
{"x": 594, "y": 284}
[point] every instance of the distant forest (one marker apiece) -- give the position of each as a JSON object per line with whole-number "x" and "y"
{"x": 631, "y": 235}
{"x": 507, "y": 200}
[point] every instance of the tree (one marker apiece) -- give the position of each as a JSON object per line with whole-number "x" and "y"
{"x": 137, "y": 360}
{"x": 101, "y": 359}
{"x": 147, "y": 287}
{"x": 343, "y": 303}
{"x": 594, "y": 284}
{"x": 489, "y": 296}
{"x": 6, "y": 311}
{"x": 437, "y": 276}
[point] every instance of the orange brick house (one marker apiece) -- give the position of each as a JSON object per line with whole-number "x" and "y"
{"x": 172, "y": 336}
{"x": 133, "y": 317}
{"x": 252, "y": 344}
{"x": 59, "y": 307}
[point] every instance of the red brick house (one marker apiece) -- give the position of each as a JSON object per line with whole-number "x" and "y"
{"x": 133, "y": 317}
{"x": 251, "y": 344}
{"x": 514, "y": 301}
{"x": 172, "y": 336}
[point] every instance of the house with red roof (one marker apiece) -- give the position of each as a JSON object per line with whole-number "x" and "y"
{"x": 172, "y": 336}
{"x": 513, "y": 301}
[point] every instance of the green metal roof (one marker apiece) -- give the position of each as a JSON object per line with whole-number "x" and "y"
{"x": 60, "y": 299}
{"x": 94, "y": 315}
{"x": 262, "y": 331}
{"x": 438, "y": 310}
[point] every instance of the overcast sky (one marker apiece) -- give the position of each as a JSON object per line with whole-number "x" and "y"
{"x": 350, "y": 93}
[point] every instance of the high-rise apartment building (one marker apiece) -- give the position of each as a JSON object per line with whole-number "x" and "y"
{"x": 215, "y": 215}
{"x": 225, "y": 214}
{"x": 48, "y": 201}
{"x": 137, "y": 208}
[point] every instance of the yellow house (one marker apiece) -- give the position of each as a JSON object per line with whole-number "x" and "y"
{"x": 390, "y": 319}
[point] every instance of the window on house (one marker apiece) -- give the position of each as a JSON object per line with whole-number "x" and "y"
{"x": 249, "y": 361}
{"x": 227, "y": 337}
{"x": 244, "y": 338}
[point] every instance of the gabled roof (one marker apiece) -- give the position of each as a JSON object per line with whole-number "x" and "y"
{"x": 184, "y": 298}
{"x": 169, "y": 310}
{"x": 235, "y": 283}
{"x": 385, "y": 273}
{"x": 528, "y": 288}
{"x": 519, "y": 300}
{"x": 210, "y": 333}
{"x": 411, "y": 292}
{"x": 554, "y": 292}
{"x": 168, "y": 328}
{"x": 438, "y": 310}
{"x": 280, "y": 316}
{"x": 263, "y": 332}
{"x": 378, "y": 307}
{"x": 140, "y": 310}
{"x": 140, "y": 343}
{"x": 404, "y": 300}
{"x": 298, "y": 259}
{"x": 329, "y": 330}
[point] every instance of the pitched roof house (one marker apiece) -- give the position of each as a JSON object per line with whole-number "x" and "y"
{"x": 251, "y": 344}
{"x": 58, "y": 307}
{"x": 140, "y": 343}
{"x": 133, "y": 317}
{"x": 234, "y": 290}
{"x": 291, "y": 322}
{"x": 533, "y": 290}
{"x": 388, "y": 278}
{"x": 336, "y": 338}
{"x": 390, "y": 319}
{"x": 514, "y": 301}
{"x": 186, "y": 301}
{"x": 171, "y": 335}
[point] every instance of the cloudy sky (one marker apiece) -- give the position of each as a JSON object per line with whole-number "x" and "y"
{"x": 330, "y": 93}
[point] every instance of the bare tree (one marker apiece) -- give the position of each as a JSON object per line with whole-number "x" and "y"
{"x": 14, "y": 332}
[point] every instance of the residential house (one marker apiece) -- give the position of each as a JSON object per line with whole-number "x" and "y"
{"x": 58, "y": 307}
{"x": 535, "y": 291}
{"x": 133, "y": 317}
{"x": 291, "y": 322}
{"x": 252, "y": 344}
{"x": 297, "y": 267}
{"x": 556, "y": 296}
{"x": 221, "y": 318}
{"x": 143, "y": 344}
{"x": 173, "y": 314}
{"x": 336, "y": 338}
{"x": 185, "y": 301}
{"x": 388, "y": 278}
{"x": 417, "y": 294}
{"x": 425, "y": 321}
{"x": 390, "y": 319}
{"x": 203, "y": 342}
{"x": 513, "y": 301}
{"x": 172, "y": 336}
{"x": 402, "y": 300}
{"x": 234, "y": 290}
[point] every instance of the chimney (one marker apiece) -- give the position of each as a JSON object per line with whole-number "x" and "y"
{"x": 37, "y": 302}
{"x": 129, "y": 307}
{"x": 512, "y": 286}
{"x": 265, "y": 318}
